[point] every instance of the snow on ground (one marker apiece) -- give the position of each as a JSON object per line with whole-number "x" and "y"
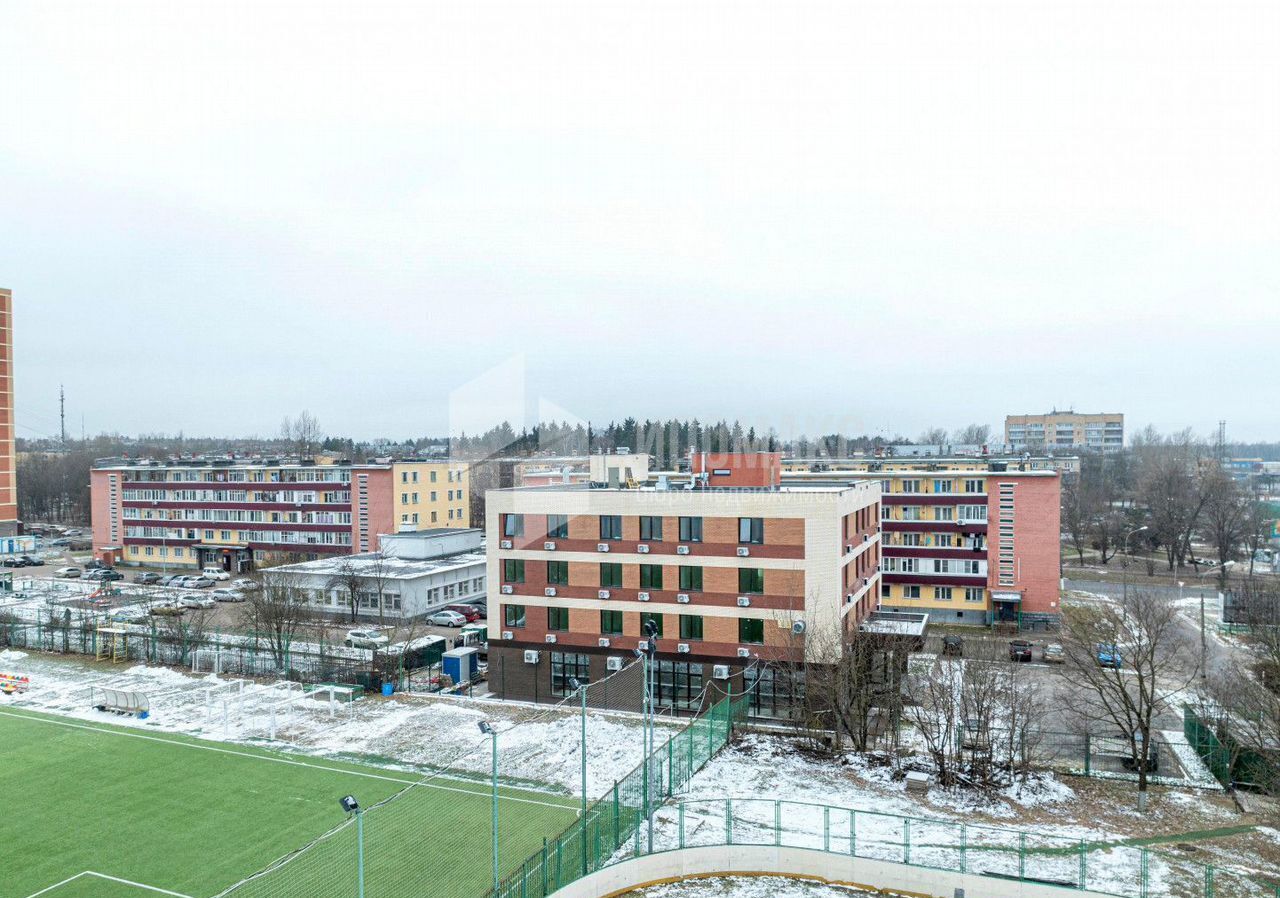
{"x": 538, "y": 746}
{"x": 1192, "y": 767}
{"x": 745, "y": 887}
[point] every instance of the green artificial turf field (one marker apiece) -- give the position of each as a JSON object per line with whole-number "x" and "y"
{"x": 160, "y": 813}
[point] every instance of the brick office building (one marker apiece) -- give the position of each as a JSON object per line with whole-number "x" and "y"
{"x": 8, "y": 453}
{"x": 737, "y": 568}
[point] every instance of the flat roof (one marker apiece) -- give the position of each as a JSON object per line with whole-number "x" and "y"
{"x": 369, "y": 564}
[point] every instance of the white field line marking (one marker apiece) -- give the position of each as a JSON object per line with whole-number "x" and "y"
{"x": 256, "y": 757}
{"x": 127, "y": 882}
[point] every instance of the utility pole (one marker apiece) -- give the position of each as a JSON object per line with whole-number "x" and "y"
{"x": 62, "y": 413}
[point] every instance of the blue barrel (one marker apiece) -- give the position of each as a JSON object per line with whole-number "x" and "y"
{"x": 388, "y": 688}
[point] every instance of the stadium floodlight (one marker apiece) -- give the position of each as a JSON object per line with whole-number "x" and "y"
{"x": 651, "y": 628}
{"x": 575, "y": 684}
{"x": 485, "y": 728}
{"x": 351, "y": 806}
{"x": 349, "y": 803}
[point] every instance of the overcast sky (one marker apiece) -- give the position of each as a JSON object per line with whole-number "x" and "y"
{"x": 877, "y": 217}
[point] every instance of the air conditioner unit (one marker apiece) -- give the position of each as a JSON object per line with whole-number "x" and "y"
{"x": 551, "y": 637}
{"x": 549, "y": 546}
{"x": 642, "y": 596}
{"x": 602, "y": 594}
{"x": 682, "y": 550}
{"x": 549, "y": 591}
{"x": 744, "y": 653}
{"x": 682, "y": 647}
{"x": 603, "y": 642}
{"x": 866, "y": 537}
{"x": 744, "y": 602}
{"x": 797, "y": 628}
{"x": 613, "y": 663}
{"x": 849, "y": 597}
{"x": 682, "y": 598}
{"x": 507, "y": 634}
{"x": 643, "y": 549}
{"x": 530, "y": 656}
{"x": 508, "y": 590}
{"x": 720, "y": 671}
{"x": 848, "y": 547}
{"x": 643, "y": 645}
{"x": 504, "y": 544}
{"x": 743, "y": 551}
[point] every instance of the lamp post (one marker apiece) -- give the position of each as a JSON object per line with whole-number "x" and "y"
{"x": 582, "y": 691}
{"x": 351, "y": 806}
{"x": 493, "y": 740}
{"x": 1128, "y": 558}
{"x": 646, "y": 655}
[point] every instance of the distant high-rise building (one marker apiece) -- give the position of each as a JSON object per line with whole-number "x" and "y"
{"x": 8, "y": 451}
{"x": 1068, "y": 429}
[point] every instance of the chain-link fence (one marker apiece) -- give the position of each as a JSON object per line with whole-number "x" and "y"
{"x": 1124, "y": 870}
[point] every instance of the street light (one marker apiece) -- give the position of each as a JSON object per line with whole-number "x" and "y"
{"x": 493, "y": 742}
{"x": 647, "y": 656}
{"x": 351, "y": 806}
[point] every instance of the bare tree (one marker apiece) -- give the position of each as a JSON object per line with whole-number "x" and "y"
{"x": 1225, "y": 517}
{"x": 935, "y": 710}
{"x": 1257, "y": 527}
{"x": 186, "y": 631}
{"x": 303, "y": 433}
{"x": 348, "y": 580}
{"x": 974, "y": 435}
{"x": 1077, "y": 515}
{"x": 1142, "y": 633}
{"x": 277, "y": 610}
{"x": 934, "y": 436}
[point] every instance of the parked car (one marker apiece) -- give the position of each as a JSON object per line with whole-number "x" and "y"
{"x": 199, "y": 582}
{"x": 168, "y": 609}
{"x": 243, "y": 584}
{"x": 1109, "y": 656}
{"x": 107, "y": 575}
{"x": 128, "y": 613}
{"x": 32, "y": 562}
{"x": 94, "y": 564}
{"x": 147, "y": 578}
{"x": 197, "y": 601}
{"x": 470, "y": 612}
{"x": 215, "y": 573}
{"x": 953, "y": 645}
{"x": 446, "y": 618}
{"x": 67, "y": 573}
{"x": 170, "y": 579}
{"x": 12, "y": 562}
{"x": 1019, "y": 650}
{"x": 366, "y": 639}
{"x": 1053, "y": 654}
{"x": 226, "y": 595}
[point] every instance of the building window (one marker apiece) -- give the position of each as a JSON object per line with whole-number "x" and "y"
{"x": 567, "y": 667}
{"x": 885, "y": 590}
{"x": 513, "y": 570}
{"x": 433, "y": 495}
{"x": 775, "y": 692}
{"x": 513, "y": 525}
{"x": 433, "y": 476}
{"x": 691, "y": 627}
{"x": 944, "y": 513}
{"x": 433, "y": 517}
{"x": 977, "y": 513}
{"x": 942, "y": 593}
{"x": 911, "y": 486}
{"x": 415, "y": 498}
{"x": 557, "y": 618}
{"x": 415, "y": 476}
{"x": 404, "y": 476}
{"x": 651, "y": 528}
{"x": 677, "y": 684}
{"x": 974, "y": 594}
{"x": 911, "y": 592}
{"x": 558, "y": 573}
{"x": 911, "y": 512}
{"x": 943, "y": 486}
{"x": 690, "y": 578}
{"x": 557, "y": 526}
{"x": 611, "y": 526}
{"x": 750, "y": 579}
{"x": 943, "y": 540}
{"x": 973, "y": 486}
{"x": 150, "y": 551}
{"x": 645, "y": 617}
{"x": 651, "y": 576}
{"x": 610, "y": 575}
{"x": 751, "y": 530}
{"x": 691, "y": 530}
{"x": 751, "y": 630}
{"x": 886, "y": 513}
{"x": 611, "y": 623}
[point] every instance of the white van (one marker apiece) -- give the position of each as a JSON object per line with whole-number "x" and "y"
{"x": 215, "y": 573}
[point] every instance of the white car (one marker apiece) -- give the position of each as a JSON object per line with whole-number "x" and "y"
{"x": 243, "y": 584}
{"x": 196, "y": 583}
{"x": 67, "y": 573}
{"x": 366, "y": 639}
{"x": 215, "y": 573}
{"x": 226, "y": 595}
{"x": 446, "y": 618}
{"x": 198, "y": 602}
{"x": 129, "y": 613}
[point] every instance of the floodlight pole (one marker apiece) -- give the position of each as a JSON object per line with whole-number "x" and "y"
{"x": 360, "y": 853}
{"x": 582, "y": 691}
{"x": 493, "y": 737}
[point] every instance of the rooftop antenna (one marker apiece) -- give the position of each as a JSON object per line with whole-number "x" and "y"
{"x": 62, "y": 412}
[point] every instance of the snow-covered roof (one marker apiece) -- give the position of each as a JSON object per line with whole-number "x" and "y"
{"x": 372, "y": 564}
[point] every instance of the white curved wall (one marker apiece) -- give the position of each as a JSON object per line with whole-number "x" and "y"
{"x": 805, "y": 863}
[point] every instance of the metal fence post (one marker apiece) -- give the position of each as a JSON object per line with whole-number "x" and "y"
{"x": 777, "y": 822}
{"x": 906, "y": 840}
{"x": 1022, "y": 856}
{"x": 1208, "y": 881}
{"x": 617, "y": 835}
{"x": 728, "y": 821}
{"x": 544, "y": 865}
{"x": 1086, "y": 754}
{"x": 1145, "y": 876}
{"x": 1084, "y": 871}
{"x": 964, "y": 848}
{"x": 671, "y": 769}
{"x": 826, "y": 828}
{"x": 853, "y": 833}
{"x": 682, "y": 824}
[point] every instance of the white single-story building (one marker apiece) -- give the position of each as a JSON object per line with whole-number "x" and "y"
{"x": 411, "y": 574}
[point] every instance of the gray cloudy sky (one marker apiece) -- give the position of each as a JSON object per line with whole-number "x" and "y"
{"x": 878, "y": 216}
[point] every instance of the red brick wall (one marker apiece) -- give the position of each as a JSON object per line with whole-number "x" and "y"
{"x": 1036, "y": 534}
{"x": 747, "y": 469}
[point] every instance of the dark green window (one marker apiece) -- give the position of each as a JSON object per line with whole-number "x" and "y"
{"x": 513, "y": 525}
{"x": 611, "y": 526}
{"x": 651, "y": 576}
{"x": 557, "y": 526}
{"x": 691, "y": 626}
{"x": 691, "y": 578}
{"x": 751, "y": 630}
{"x": 513, "y": 615}
{"x": 558, "y": 572}
{"x": 750, "y": 579}
{"x": 557, "y": 618}
{"x": 610, "y": 575}
{"x": 611, "y": 623}
{"x": 512, "y": 570}
{"x": 650, "y": 529}
{"x": 751, "y": 530}
{"x": 657, "y": 622}
{"x": 691, "y": 530}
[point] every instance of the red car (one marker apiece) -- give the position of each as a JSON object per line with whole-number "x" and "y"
{"x": 470, "y": 612}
